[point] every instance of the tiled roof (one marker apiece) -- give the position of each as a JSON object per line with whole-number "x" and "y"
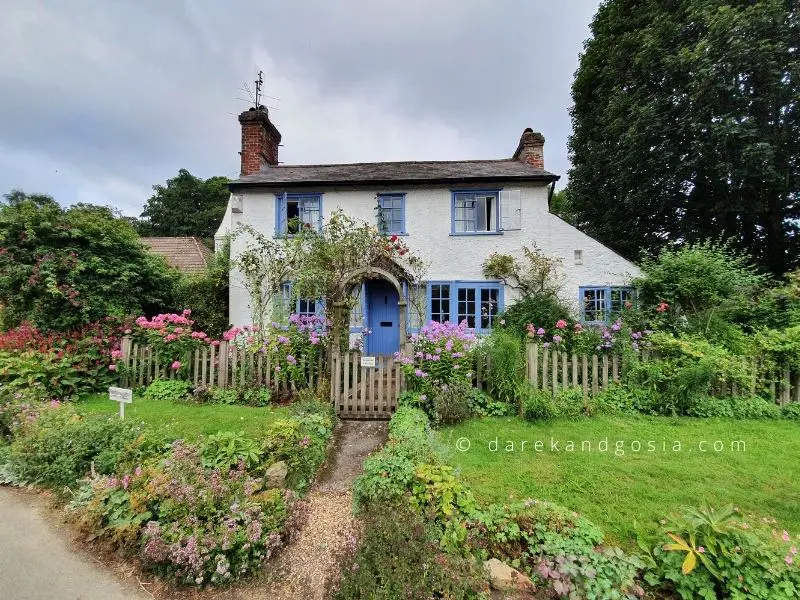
{"x": 188, "y": 254}
{"x": 395, "y": 172}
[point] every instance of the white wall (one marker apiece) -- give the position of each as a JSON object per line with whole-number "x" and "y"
{"x": 450, "y": 257}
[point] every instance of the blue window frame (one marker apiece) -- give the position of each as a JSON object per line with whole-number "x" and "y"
{"x": 478, "y": 303}
{"x": 599, "y": 304}
{"x": 294, "y": 211}
{"x": 392, "y": 213}
{"x": 302, "y": 306}
{"x": 475, "y": 212}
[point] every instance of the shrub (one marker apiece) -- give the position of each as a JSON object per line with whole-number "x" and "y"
{"x": 451, "y": 403}
{"x": 225, "y": 449}
{"x": 754, "y": 407}
{"x": 569, "y": 403}
{"x": 721, "y": 553}
{"x": 194, "y": 524}
{"x": 537, "y": 405}
{"x": 503, "y": 354}
{"x": 560, "y": 550}
{"x": 791, "y": 411}
{"x": 206, "y": 294}
{"x": 534, "y": 309}
{"x": 616, "y": 399}
{"x": 441, "y": 355}
{"x": 708, "y": 406}
{"x": 60, "y": 446}
{"x": 481, "y": 405}
{"x": 168, "y": 390}
{"x": 400, "y": 557}
{"x": 224, "y": 395}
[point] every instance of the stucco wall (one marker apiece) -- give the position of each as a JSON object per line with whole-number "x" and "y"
{"x": 449, "y": 257}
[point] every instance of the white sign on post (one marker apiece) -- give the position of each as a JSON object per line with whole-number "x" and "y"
{"x": 123, "y": 396}
{"x": 367, "y": 361}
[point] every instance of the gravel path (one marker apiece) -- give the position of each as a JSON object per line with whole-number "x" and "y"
{"x": 37, "y": 562}
{"x": 310, "y": 565}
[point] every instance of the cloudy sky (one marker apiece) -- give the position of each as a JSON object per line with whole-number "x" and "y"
{"x": 101, "y": 99}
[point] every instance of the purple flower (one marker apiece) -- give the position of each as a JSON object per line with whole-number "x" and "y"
{"x": 291, "y": 359}
{"x": 540, "y": 331}
{"x": 557, "y": 339}
{"x": 282, "y": 339}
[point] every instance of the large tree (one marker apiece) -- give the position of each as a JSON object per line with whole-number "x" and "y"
{"x": 61, "y": 268}
{"x": 185, "y": 206}
{"x": 687, "y": 126}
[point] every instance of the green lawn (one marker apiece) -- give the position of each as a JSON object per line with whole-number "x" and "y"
{"x": 188, "y": 421}
{"x": 644, "y": 486}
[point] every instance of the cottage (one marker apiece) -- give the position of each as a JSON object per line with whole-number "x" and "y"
{"x": 452, "y": 214}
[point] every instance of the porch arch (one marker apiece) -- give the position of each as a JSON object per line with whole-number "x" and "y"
{"x": 358, "y": 275}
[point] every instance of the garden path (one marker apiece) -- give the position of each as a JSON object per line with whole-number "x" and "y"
{"x": 310, "y": 565}
{"x": 38, "y": 563}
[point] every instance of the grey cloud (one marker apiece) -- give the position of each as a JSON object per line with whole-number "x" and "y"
{"x": 117, "y": 95}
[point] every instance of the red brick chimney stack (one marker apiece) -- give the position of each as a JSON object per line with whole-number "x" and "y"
{"x": 531, "y": 148}
{"x": 260, "y": 140}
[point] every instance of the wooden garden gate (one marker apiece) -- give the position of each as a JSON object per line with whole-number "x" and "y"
{"x": 365, "y": 389}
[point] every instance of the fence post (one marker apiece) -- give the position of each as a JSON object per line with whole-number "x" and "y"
{"x": 534, "y": 352}
{"x": 223, "y": 364}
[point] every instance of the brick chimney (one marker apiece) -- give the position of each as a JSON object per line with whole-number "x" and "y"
{"x": 531, "y": 148}
{"x": 260, "y": 141}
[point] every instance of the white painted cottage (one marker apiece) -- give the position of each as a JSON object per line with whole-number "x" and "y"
{"x": 452, "y": 214}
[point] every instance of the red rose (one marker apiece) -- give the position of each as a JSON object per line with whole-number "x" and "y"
{"x": 393, "y": 238}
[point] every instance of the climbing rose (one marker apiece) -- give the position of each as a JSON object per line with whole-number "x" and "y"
{"x": 176, "y": 365}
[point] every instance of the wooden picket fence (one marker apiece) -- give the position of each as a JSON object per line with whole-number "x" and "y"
{"x": 555, "y": 370}
{"x": 221, "y": 366}
{"x": 365, "y": 392}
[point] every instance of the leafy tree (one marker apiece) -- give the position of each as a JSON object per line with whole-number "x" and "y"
{"x": 185, "y": 206}
{"x": 687, "y": 126}
{"x": 561, "y": 206}
{"x": 206, "y": 294}
{"x": 701, "y": 282}
{"x": 61, "y": 268}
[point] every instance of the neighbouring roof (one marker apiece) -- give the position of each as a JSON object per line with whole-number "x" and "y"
{"x": 187, "y": 254}
{"x": 397, "y": 172}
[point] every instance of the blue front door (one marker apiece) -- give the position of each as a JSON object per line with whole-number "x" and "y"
{"x": 383, "y": 318}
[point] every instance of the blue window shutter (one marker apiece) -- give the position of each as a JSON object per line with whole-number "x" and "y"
{"x": 280, "y": 214}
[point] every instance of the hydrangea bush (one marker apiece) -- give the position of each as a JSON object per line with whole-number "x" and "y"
{"x": 441, "y": 354}
{"x": 581, "y": 339}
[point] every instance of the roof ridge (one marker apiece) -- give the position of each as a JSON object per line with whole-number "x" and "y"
{"x": 199, "y": 250}
{"x": 388, "y": 162}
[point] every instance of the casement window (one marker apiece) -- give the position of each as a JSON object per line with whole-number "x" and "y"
{"x": 392, "y": 214}
{"x": 296, "y": 211}
{"x": 415, "y": 294}
{"x": 477, "y": 303}
{"x": 481, "y": 212}
{"x": 601, "y": 304}
{"x": 283, "y": 305}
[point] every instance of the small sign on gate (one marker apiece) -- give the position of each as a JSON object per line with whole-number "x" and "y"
{"x": 367, "y": 361}
{"x": 123, "y": 396}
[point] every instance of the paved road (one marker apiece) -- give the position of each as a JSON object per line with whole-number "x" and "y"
{"x": 36, "y": 562}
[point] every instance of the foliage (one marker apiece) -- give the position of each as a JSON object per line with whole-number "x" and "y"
{"x": 724, "y": 554}
{"x": 503, "y": 355}
{"x": 685, "y": 372}
{"x": 438, "y": 493}
{"x": 300, "y": 442}
{"x": 562, "y": 551}
{"x": 185, "y": 206}
{"x": 168, "y": 390}
{"x": 60, "y": 365}
{"x": 536, "y": 274}
{"x": 534, "y": 309}
{"x": 399, "y": 557}
{"x": 61, "y": 268}
{"x": 206, "y": 294}
{"x": 197, "y": 525}
{"x": 451, "y": 404}
{"x": 59, "y": 446}
{"x": 700, "y": 283}
{"x": 537, "y": 405}
{"x": 791, "y": 411}
{"x": 482, "y": 405}
{"x": 171, "y": 339}
{"x": 709, "y": 147}
{"x": 441, "y": 355}
{"x": 265, "y": 264}
{"x": 780, "y": 347}
{"x": 570, "y": 404}
{"x": 225, "y": 449}
{"x": 754, "y": 407}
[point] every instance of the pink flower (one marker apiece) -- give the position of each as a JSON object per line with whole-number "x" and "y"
{"x": 786, "y": 536}
{"x": 116, "y": 354}
{"x": 187, "y": 312}
{"x": 278, "y": 369}
{"x": 215, "y": 342}
{"x": 112, "y": 367}
{"x": 127, "y": 332}
{"x": 701, "y": 550}
{"x": 793, "y": 550}
{"x": 561, "y": 324}
{"x": 176, "y": 365}
{"x": 789, "y": 559}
